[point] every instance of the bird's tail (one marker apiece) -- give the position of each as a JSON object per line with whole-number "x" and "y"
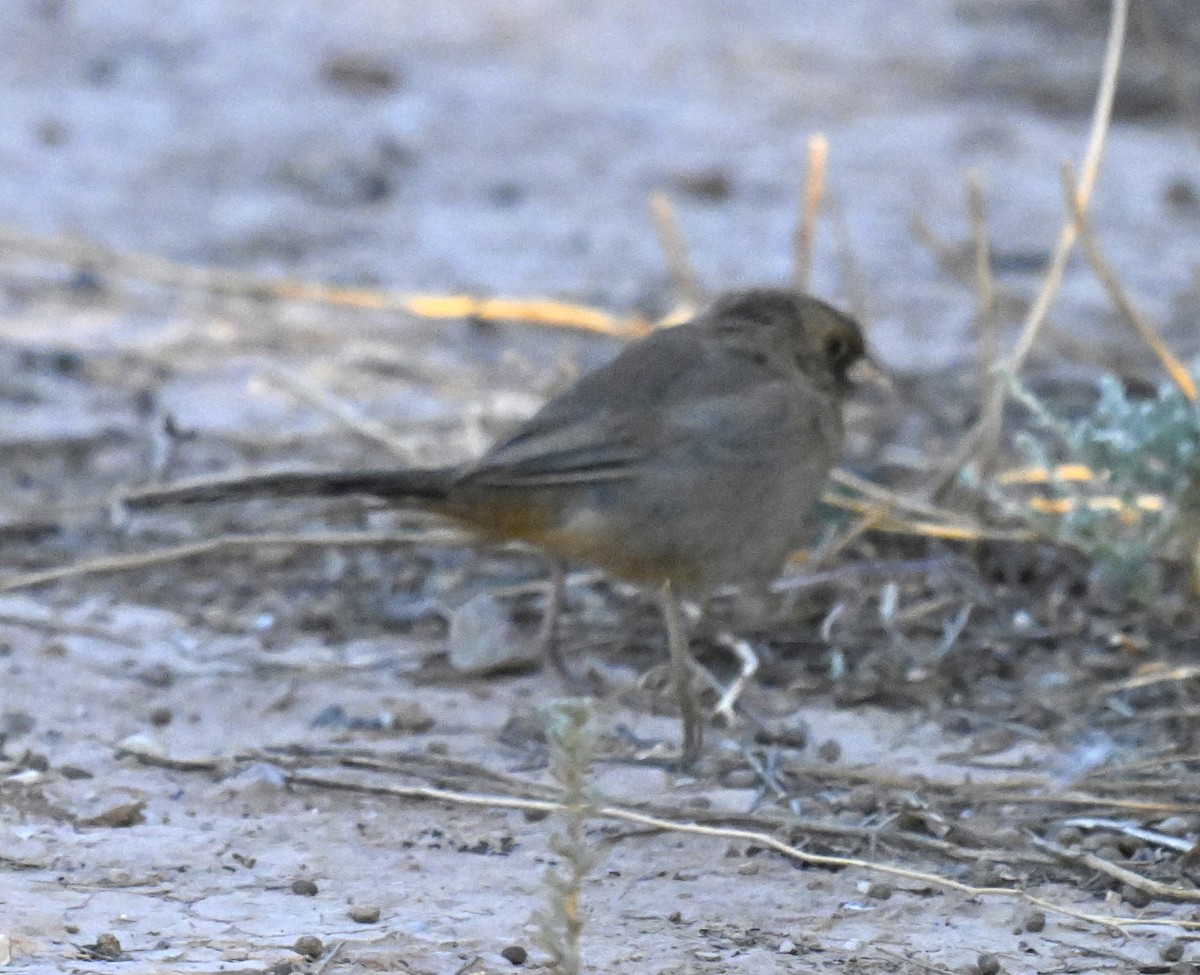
{"x": 429, "y": 485}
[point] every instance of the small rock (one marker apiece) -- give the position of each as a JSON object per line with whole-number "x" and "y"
{"x": 1034, "y": 921}
{"x": 106, "y": 948}
{"x": 787, "y": 733}
{"x": 711, "y": 185}
{"x": 304, "y": 887}
{"x": 1174, "y": 826}
{"x": 309, "y": 946}
{"x": 1181, "y": 193}
{"x": 158, "y": 675}
{"x": 878, "y": 890}
{"x": 1172, "y": 951}
{"x": 362, "y": 73}
{"x": 482, "y": 638}
{"x": 515, "y": 954}
{"x": 364, "y": 913}
{"x": 748, "y": 869}
{"x": 282, "y": 968}
{"x": 864, "y": 798}
{"x": 14, "y": 724}
{"x": 161, "y": 716}
{"x": 1069, "y": 836}
{"x": 988, "y": 964}
{"x": 1135, "y": 896}
{"x": 120, "y": 816}
{"x": 829, "y": 751}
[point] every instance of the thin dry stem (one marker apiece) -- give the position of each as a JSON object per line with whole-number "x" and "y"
{"x": 810, "y": 206}
{"x": 1122, "y": 875}
{"x": 1090, "y": 170}
{"x": 345, "y": 413}
{"x": 764, "y": 840}
{"x": 991, "y": 410}
{"x": 1116, "y": 291}
{"x": 219, "y": 281}
{"x": 1052, "y": 281}
{"x": 220, "y": 546}
{"x": 670, "y": 240}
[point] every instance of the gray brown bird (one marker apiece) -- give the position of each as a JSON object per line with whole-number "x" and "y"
{"x": 690, "y": 461}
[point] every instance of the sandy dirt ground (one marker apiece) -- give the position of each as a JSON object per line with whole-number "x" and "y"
{"x": 213, "y": 755}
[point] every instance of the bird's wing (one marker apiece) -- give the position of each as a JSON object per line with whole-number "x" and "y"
{"x": 612, "y": 418}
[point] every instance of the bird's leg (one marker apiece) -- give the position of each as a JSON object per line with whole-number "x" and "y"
{"x": 547, "y": 637}
{"x": 681, "y": 669}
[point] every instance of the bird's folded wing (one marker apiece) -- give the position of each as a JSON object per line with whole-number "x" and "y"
{"x": 616, "y": 418}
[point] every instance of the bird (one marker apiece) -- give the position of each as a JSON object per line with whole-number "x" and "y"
{"x": 691, "y": 461}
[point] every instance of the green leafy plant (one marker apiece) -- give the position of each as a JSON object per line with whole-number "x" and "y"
{"x": 1141, "y": 505}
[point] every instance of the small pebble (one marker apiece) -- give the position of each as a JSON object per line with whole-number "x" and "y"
{"x": 748, "y": 869}
{"x": 864, "y": 798}
{"x": 988, "y": 965}
{"x": 304, "y": 887}
{"x": 1174, "y": 826}
{"x": 829, "y": 751}
{"x": 158, "y": 675}
{"x": 1069, "y": 836}
{"x": 108, "y": 947}
{"x": 515, "y": 954}
{"x": 740, "y": 778}
{"x": 1135, "y": 897}
{"x": 281, "y": 968}
{"x": 364, "y": 913}
{"x": 1181, "y": 193}
{"x": 879, "y": 890}
{"x": 1171, "y": 951}
{"x": 1035, "y": 921}
{"x": 787, "y": 733}
{"x": 161, "y": 717}
{"x": 308, "y": 946}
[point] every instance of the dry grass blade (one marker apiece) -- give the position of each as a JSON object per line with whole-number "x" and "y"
{"x": 1090, "y": 170}
{"x": 219, "y": 281}
{"x": 670, "y": 239}
{"x": 765, "y": 840}
{"x": 1121, "y": 874}
{"x": 1052, "y": 281}
{"x": 345, "y": 413}
{"x": 810, "y": 206}
{"x": 221, "y": 546}
{"x": 988, "y": 328}
{"x": 1116, "y": 291}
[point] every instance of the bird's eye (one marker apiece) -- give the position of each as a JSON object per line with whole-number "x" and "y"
{"x": 835, "y": 348}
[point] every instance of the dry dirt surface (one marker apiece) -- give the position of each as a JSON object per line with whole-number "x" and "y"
{"x": 249, "y": 738}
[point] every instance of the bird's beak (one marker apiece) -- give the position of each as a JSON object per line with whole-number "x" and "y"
{"x": 868, "y": 372}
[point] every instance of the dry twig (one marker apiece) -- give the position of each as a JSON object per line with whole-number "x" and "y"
{"x": 1116, "y": 291}
{"x": 220, "y": 546}
{"x": 670, "y": 240}
{"x": 810, "y": 206}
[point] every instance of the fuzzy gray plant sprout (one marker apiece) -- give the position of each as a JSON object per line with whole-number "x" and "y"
{"x": 572, "y": 748}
